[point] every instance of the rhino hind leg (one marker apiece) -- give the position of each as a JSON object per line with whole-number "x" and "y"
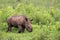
{"x": 9, "y": 27}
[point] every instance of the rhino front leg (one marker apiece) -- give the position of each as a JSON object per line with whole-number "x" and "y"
{"x": 20, "y": 29}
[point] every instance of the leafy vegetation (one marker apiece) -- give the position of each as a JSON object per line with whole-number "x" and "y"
{"x": 45, "y": 15}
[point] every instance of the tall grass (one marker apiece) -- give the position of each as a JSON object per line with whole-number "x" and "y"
{"x": 45, "y": 20}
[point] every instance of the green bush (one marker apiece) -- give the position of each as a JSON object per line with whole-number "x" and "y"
{"x": 55, "y": 13}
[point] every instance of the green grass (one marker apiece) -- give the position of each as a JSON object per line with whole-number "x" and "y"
{"x": 39, "y": 33}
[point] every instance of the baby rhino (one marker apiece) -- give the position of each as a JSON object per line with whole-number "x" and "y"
{"x": 21, "y": 22}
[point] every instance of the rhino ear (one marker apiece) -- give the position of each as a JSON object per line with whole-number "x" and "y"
{"x": 31, "y": 19}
